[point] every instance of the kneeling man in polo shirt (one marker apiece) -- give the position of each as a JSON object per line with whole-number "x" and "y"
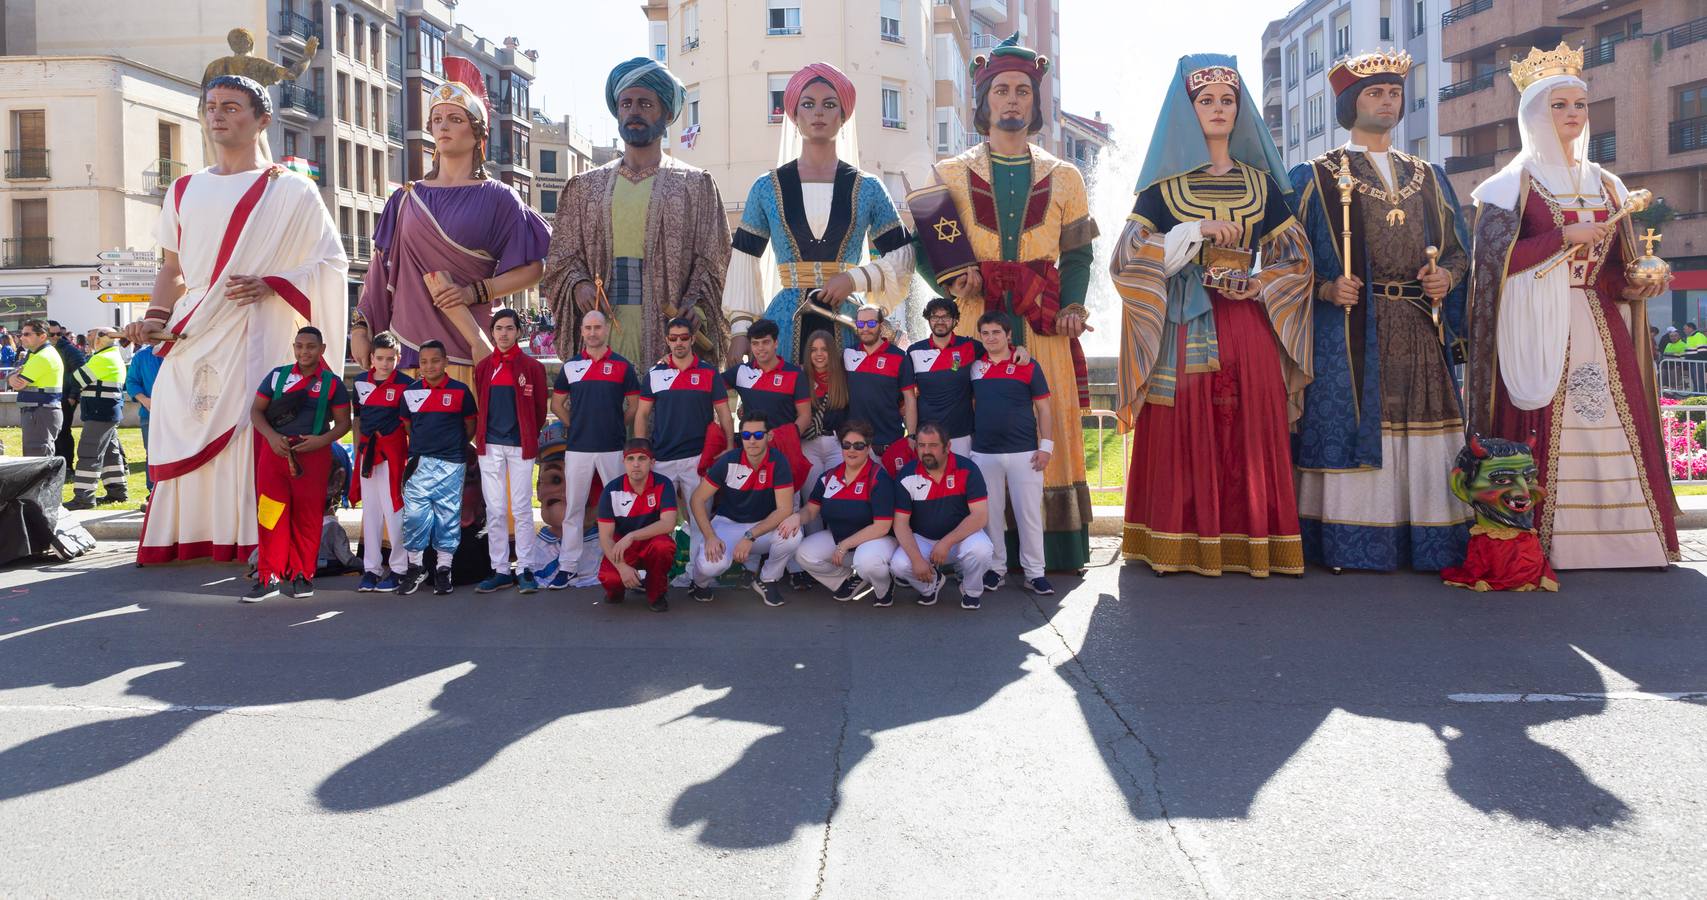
{"x": 1011, "y": 425}
{"x": 856, "y": 500}
{"x": 939, "y": 520}
{"x": 744, "y": 508}
{"x": 637, "y": 513}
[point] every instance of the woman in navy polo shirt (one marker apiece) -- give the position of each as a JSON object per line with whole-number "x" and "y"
{"x": 856, "y": 502}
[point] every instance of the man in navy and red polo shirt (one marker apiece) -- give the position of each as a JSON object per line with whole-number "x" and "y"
{"x": 439, "y": 412}
{"x": 880, "y": 388}
{"x": 680, "y": 400}
{"x": 940, "y": 512}
{"x": 777, "y": 389}
{"x": 509, "y": 387}
{"x": 942, "y": 370}
{"x": 1011, "y": 428}
{"x": 299, "y": 410}
{"x": 594, "y": 396}
{"x": 856, "y": 501}
{"x": 742, "y": 506}
{"x": 636, "y": 515}
{"x": 382, "y": 453}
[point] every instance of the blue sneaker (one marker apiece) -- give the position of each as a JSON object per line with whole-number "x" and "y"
{"x": 370, "y": 583}
{"x": 388, "y": 583}
{"x": 992, "y": 580}
{"x": 526, "y": 583}
{"x": 497, "y": 582}
{"x": 560, "y": 581}
{"x": 1040, "y": 586}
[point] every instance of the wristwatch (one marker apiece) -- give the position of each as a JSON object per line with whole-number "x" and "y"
{"x": 748, "y": 535}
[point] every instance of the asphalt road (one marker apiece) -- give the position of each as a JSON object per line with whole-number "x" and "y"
{"x": 1140, "y": 737}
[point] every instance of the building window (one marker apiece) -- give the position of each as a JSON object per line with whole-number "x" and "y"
{"x": 548, "y": 202}
{"x": 1386, "y": 20}
{"x": 1315, "y": 122}
{"x": 378, "y": 173}
{"x": 944, "y": 136}
{"x": 1342, "y": 34}
{"x": 1419, "y": 86}
{"x": 1419, "y": 148}
{"x": 341, "y": 178}
{"x": 343, "y": 20}
{"x": 690, "y": 26}
{"x": 782, "y": 16}
{"x": 343, "y": 97}
{"x": 319, "y": 152}
{"x": 1292, "y": 127}
{"x": 31, "y": 244}
{"x": 374, "y": 111}
{"x": 892, "y": 106}
{"x": 426, "y": 48}
{"x": 373, "y": 44}
{"x": 1292, "y": 65}
{"x": 361, "y": 105}
{"x": 777, "y": 88}
{"x": 1313, "y": 52}
{"x": 1419, "y": 18}
{"x": 548, "y": 162}
{"x": 692, "y": 107}
{"x": 358, "y": 44}
{"x": 889, "y": 21}
{"x": 28, "y": 156}
{"x": 292, "y": 142}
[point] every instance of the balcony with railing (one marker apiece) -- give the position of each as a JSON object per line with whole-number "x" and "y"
{"x": 1601, "y": 54}
{"x": 1603, "y": 148}
{"x": 394, "y": 69}
{"x": 1686, "y": 34}
{"x": 298, "y": 26}
{"x": 898, "y": 124}
{"x": 1456, "y": 164}
{"x": 1689, "y": 134}
{"x": 1468, "y": 86}
{"x": 984, "y": 41}
{"x": 293, "y": 96}
{"x": 167, "y": 171}
{"x": 394, "y": 131}
{"x": 28, "y": 252}
{"x": 358, "y": 247}
{"x": 26, "y": 164}
{"x": 1464, "y": 11}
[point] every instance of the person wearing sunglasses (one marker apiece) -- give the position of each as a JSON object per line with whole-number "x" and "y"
{"x": 856, "y": 503}
{"x": 745, "y": 510}
{"x": 40, "y": 386}
{"x": 880, "y": 388}
{"x": 682, "y": 401}
{"x": 776, "y": 389}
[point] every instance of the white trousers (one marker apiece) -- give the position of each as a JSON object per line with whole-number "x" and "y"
{"x": 824, "y": 452}
{"x": 971, "y": 556}
{"x": 506, "y": 481}
{"x": 961, "y": 445}
{"x": 381, "y": 521}
{"x": 578, "y": 471}
{"x": 775, "y": 550}
{"x": 1009, "y": 476}
{"x": 869, "y": 560}
{"x": 683, "y": 475}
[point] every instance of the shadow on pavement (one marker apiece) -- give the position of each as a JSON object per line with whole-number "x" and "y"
{"x": 1222, "y": 681}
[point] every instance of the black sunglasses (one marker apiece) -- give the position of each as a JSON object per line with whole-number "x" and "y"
{"x": 854, "y": 445}
{"x": 867, "y": 323}
{"x": 752, "y": 435}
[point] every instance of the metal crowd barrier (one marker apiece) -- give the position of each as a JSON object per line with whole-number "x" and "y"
{"x": 1105, "y": 419}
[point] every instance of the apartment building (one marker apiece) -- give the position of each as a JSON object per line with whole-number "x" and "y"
{"x": 560, "y": 152}
{"x": 92, "y": 144}
{"x": 1646, "y": 68}
{"x": 1299, "y": 49}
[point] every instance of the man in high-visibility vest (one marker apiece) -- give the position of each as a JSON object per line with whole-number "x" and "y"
{"x": 40, "y": 384}
{"x": 100, "y": 381}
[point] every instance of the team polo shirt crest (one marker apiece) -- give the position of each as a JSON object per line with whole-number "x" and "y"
{"x": 684, "y": 403}
{"x": 771, "y": 394}
{"x": 1002, "y": 418}
{"x": 302, "y": 423}
{"x": 631, "y": 511}
{"x": 380, "y": 403}
{"x": 848, "y": 505}
{"x": 943, "y": 378}
{"x": 507, "y": 388}
{"x": 747, "y": 494}
{"x": 936, "y": 506}
{"x": 596, "y": 388}
{"x": 875, "y": 382}
{"x": 435, "y": 415}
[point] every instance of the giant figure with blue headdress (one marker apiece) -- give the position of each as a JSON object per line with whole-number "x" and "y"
{"x": 1382, "y": 423}
{"x": 1215, "y": 347}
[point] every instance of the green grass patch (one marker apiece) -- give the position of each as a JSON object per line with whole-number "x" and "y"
{"x": 136, "y": 481}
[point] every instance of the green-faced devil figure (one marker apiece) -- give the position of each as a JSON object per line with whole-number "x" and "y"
{"x": 1497, "y": 478}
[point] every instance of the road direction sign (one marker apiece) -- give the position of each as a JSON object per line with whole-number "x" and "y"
{"x": 125, "y": 298}
{"x": 127, "y": 256}
{"x": 146, "y": 271}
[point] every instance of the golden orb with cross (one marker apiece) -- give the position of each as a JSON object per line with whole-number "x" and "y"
{"x": 1648, "y": 270}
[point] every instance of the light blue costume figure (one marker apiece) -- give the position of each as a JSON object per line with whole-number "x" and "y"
{"x": 816, "y": 230}
{"x": 1374, "y": 462}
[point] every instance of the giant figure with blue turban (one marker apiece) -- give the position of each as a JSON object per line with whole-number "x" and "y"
{"x": 642, "y": 238}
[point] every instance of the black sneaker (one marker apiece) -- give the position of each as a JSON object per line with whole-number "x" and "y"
{"x": 80, "y": 501}
{"x": 412, "y": 580}
{"x": 929, "y": 597}
{"x": 768, "y": 592}
{"x": 885, "y": 599}
{"x": 992, "y": 580}
{"x": 801, "y": 581}
{"x": 261, "y": 591}
{"x": 969, "y": 602}
{"x": 703, "y": 594}
{"x": 659, "y": 605}
{"x": 301, "y": 588}
{"x": 851, "y": 588}
{"x": 441, "y": 581}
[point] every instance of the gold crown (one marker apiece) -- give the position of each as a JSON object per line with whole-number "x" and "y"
{"x": 1204, "y": 77}
{"x": 1560, "y": 60}
{"x": 1395, "y": 62}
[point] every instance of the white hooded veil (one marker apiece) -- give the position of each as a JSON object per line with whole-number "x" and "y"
{"x": 1543, "y": 154}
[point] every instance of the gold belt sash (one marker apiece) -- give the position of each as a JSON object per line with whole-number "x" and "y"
{"x": 808, "y": 275}
{"x": 1410, "y": 291}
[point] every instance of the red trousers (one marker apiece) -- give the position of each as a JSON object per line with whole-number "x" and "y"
{"x": 290, "y": 511}
{"x": 653, "y": 556}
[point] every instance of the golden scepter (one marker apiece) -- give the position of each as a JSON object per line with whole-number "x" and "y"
{"x": 1635, "y": 203}
{"x": 1346, "y": 186}
{"x": 1433, "y": 253}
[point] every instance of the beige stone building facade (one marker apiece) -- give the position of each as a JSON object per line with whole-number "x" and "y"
{"x": 560, "y": 152}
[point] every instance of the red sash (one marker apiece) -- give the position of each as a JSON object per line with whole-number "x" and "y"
{"x": 392, "y": 449}
{"x": 1036, "y": 290}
